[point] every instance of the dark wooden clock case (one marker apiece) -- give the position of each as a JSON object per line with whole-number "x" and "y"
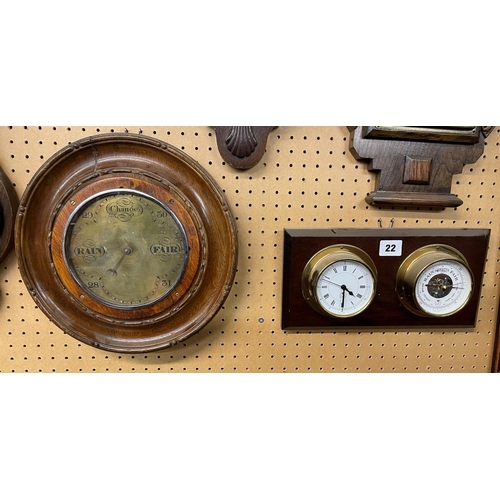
{"x": 415, "y": 165}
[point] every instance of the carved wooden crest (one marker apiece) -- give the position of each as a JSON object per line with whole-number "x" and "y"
{"x": 242, "y": 147}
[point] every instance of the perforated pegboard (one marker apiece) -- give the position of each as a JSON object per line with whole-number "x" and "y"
{"x": 306, "y": 179}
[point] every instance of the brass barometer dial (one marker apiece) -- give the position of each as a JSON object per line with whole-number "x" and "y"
{"x": 435, "y": 281}
{"x": 126, "y": 243}
{"x": 125, "y": 248}
{"x": 339, "y": 281}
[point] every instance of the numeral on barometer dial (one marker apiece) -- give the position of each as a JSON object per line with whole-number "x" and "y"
{"x": 339, "y": 281}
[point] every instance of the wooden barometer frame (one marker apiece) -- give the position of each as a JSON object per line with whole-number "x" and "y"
{"x": 110, "y": 162}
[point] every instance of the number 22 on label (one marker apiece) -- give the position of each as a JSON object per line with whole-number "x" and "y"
{"x": 390, "y": 248}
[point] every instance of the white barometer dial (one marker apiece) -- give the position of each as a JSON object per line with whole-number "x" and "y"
{"x": 435, "y": 281}
{"x": 339, "y": 281}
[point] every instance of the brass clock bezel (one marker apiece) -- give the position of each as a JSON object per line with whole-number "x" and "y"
{"x": 416, "y": 264}
{"x": 321, "y": 260}
{"x": 95, "y": 164}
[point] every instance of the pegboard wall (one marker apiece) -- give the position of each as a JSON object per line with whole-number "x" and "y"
{"x": 306, "y": 179}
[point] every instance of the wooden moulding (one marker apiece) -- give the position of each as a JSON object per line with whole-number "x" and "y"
{"x": 98, "y": 163}
{"x": 416, "y": 164}
{"x": 386, "y": 310}
{"x": 456, "y": 134}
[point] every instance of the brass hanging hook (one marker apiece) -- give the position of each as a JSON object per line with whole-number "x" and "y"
{"x": 380, "y": 223}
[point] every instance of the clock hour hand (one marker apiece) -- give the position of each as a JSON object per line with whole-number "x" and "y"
{"x": 126, "y": 251}
{"x": 346, "y": 290}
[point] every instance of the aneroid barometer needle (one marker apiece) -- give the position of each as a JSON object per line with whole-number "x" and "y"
{"x": 126, "y": 251}
{"x": 445, "y": 287}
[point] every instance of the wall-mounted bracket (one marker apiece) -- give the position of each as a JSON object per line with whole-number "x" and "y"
{"x": 242, "y": 147}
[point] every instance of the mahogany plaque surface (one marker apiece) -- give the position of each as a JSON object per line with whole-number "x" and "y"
{"x": 385, "y": 310}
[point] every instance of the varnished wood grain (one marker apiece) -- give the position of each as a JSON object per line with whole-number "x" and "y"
{"x": 388, "y": 158}
{"x": 417, "y": 170}
{"x": 83, "y": 167}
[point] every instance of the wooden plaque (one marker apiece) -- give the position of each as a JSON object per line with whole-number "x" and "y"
{"x": 386, "y": 310}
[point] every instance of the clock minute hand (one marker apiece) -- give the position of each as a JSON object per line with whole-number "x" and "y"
{"x": 343, "y": 287}
{"x": 331, "y": 282}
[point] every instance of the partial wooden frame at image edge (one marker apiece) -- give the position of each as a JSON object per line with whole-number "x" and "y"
{"x": 495, "y": 367}
{"x": 9, "y": 203}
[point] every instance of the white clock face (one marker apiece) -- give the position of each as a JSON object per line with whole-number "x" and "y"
{"x": 345, "y": 288}
{"x": 443, "y": 288}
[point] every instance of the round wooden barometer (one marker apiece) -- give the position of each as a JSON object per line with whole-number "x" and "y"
{"x": 126, "y": 243}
